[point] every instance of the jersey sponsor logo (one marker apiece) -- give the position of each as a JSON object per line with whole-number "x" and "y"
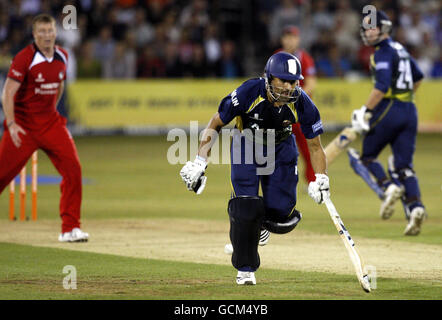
{"x": 61, "y": 75}
{"x": 317, "y": 126}
{"x": 45, "y": 92}
{"x": 16, "y": 73}
{"x": 39, "y": 78}
{"x": 382, "y": 65}
{"x": 234, "y": 98}
{"x": 53, "y": 85}
{"x": 47, "y": 88}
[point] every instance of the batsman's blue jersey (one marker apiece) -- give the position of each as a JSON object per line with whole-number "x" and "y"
{"x": 394, "y": 71}
{"x": 249, "y": 105}
{"x": 394, "y": 119}
{"x": 251, "y": 109}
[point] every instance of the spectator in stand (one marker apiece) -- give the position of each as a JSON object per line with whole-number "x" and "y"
{"x": 171, "y": 27}
{"x": 212, "y": 48}
{"x": 4, "y": 26}
{"x": 149, "y": 65}
{"x": 104, "y": 46}
{"x": 155, "y": 10}
{"x": 171, "y": 61}
{"x": 185, "y": 52}
{"x": 416, "y": 30}
{"x": 322, "y": 19}
{"x": 229, "y": 65}
{"x": 346, "y": 29}
{"x": 286, "y": 14}
{"x": 118, "y": 28}
{"x": 96, "y": 17}
{"x": 121, "y": 65}
{"x": 198, "y": 65}
{"x": 88, "y": 67}
{"x": 5, "y": 61}
{"x": 333, "y": 64}
{"x": 144, "y": 31}
{"x": 195, "y": 14}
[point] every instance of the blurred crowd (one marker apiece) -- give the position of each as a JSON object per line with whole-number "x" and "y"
{"x": 128, "y": 39}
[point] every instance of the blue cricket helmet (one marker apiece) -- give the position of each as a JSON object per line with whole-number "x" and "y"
{"x": 382, "y": 22}
{"x": 284, "y": 66}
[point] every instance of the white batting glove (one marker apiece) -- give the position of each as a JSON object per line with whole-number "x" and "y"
{"x": 359, "y": 120}
{"x": 320, "y": 188}
{"x": 193, "y": 174}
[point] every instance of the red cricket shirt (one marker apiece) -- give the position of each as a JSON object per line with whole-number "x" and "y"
{"x": 40, "y": 78}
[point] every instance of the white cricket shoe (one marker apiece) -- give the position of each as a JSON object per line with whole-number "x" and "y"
{"x": 392, "y": 194}
{"x": 264, "y": 237}
{"x": 76, "y": 235}
{"x": 417, "y": 216}
{"x": 245, "y": 278}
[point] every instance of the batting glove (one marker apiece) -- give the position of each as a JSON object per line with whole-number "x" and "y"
{"x": 320, "y": 188}
{"x": 193, "y": 174}
{"x": 359, "y": 120}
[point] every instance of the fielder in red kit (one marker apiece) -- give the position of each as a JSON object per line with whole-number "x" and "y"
{"x": 31, "y": 92}
{"x": 290, "y": 43}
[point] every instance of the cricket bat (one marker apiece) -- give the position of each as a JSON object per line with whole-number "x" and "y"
{"x": 349, "y": 245}
{"x": 340, "y": 143}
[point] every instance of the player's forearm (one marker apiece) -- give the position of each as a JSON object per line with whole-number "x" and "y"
{"x": 210, "y": 135}
{"x": 8, "y": 106}
{"x": 317, "y": 155}
{"x": 374, "y": 98}
{"x": 319, "y": 162}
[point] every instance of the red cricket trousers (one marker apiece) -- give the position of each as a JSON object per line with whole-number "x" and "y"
{"x": 301, "y": 142}
{"x": 56, "y": 141}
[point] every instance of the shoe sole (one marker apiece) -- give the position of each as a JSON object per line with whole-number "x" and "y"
{"x": 387, "y": 208}
{"x": 78, "y": 240}
{"x": 246, "y": 282}
{"x": 414, "y": 227}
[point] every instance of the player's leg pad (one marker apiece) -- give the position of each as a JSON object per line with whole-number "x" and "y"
{"x": 246, "y": 215}
{"x": 285, "y": 226}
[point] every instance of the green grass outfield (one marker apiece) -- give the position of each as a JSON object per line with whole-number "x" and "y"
{"x": 130, "y": 178}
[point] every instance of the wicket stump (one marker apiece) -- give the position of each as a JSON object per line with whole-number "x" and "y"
{"x": 34, "y": 162}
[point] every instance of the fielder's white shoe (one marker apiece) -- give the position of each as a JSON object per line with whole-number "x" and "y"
{"x": 76, "y": 235}
{"x": 417, "y": 216}
{"x": 264, "y": 237}
{"x": 245, "y": 278}
{"x": 392, "y": 194}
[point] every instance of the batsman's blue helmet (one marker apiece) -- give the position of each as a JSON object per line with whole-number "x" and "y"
{"x": 284, "y": 66}
{"x": 378, "y": 20}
